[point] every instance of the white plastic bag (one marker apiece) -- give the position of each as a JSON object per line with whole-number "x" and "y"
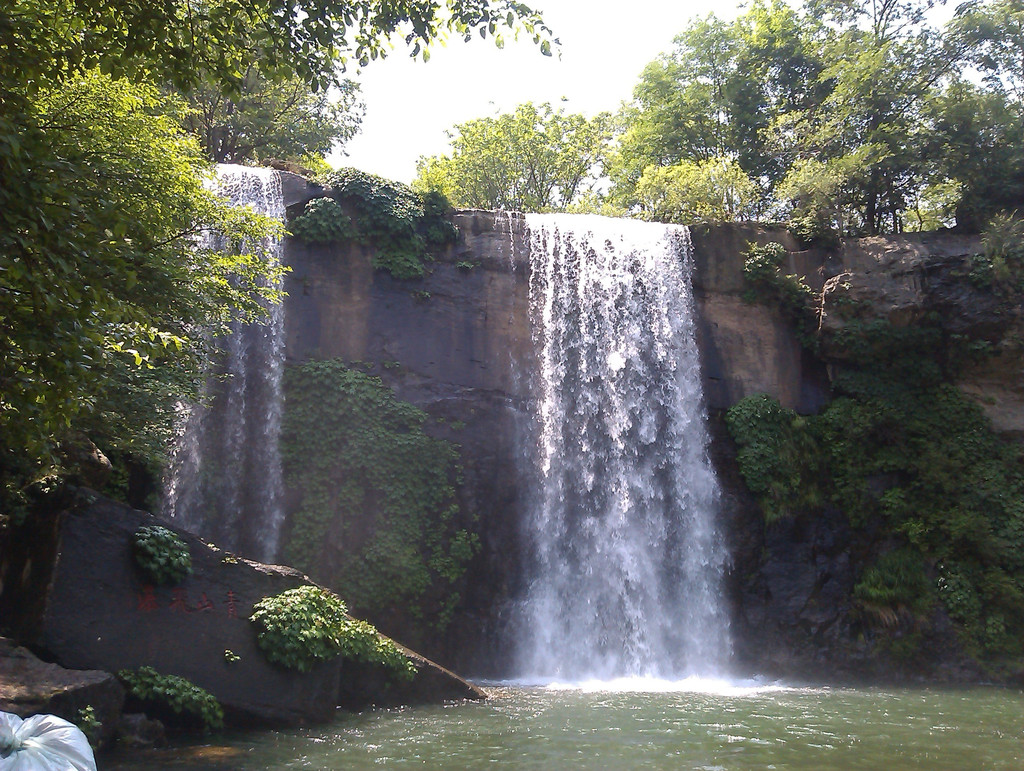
{"x": 43, "y": 743}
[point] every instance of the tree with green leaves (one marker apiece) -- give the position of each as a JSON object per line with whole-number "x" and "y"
{"x": 993, "y": 35}
{"x": 268, "y": 119}
{"x": 846, "y": 114}
{"x": 533, "y": 159}
{"x": 978, "y": 141}
{"x": 103, "y": 194}
{"x": 682, "y": 109}
{"x": 976, "y": 146}
{"x": 701, "y": 191}
{"x": 184, "y": 42}
{"x": 886, "y": 62}
{"x": 719, "y": 93}
{"x": 102, "y": 201}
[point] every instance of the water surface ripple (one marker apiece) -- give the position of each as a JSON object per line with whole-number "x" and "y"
{"x": 611, "y": 730}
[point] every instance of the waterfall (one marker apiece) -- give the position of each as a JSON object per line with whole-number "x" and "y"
{"x": 225, "y": 480}
{"x": 627, "y": 563}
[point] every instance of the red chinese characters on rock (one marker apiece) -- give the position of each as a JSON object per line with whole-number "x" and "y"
{"x": 147, "y": 601}
{"x": 179, "y": 603}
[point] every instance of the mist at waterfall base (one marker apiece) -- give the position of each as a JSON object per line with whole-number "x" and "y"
{"x": 626, "y": 561}
{"x": 225, "y": 479}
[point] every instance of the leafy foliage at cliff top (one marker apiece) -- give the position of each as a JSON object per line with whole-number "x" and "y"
{"x": 844, "y": 117}
{"x": 173, "y": 696}
{"x": 375, "y": 515}
{"x": 910, "y": 460}
{"x": 401, "y": 226}
{"x": 305, "y": 625}
{"x": 1001, "y": 263}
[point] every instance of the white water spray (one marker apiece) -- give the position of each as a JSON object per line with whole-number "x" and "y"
{"x": 628, "y": 562}
{"x": 225, "y": 481}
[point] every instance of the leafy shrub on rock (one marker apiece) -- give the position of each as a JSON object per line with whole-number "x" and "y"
{"x": 183, "y": 699}
{"x": 896, "y": 584}
{"x": 400, "y": 225}
{"x": 162, "y": 555}
{"x": 777, "y": 455}
{"x": 322, "y": 221}
{"x": 303, "y": 626}
{"x": 917, "y": 464}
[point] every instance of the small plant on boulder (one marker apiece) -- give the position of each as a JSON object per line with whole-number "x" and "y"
{"x": 89, "y": 724}
{"x": 162, "y": 555}
{"x": 170, "y": 696}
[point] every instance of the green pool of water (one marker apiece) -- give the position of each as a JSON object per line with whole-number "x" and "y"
{"x": 601, "y": 729}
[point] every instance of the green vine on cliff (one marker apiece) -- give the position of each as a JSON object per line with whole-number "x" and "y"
{"x": 896, "y": 586}
{"x": 375, "y": 514}
{"x": 911, "y": 461}
{"x": 777, "y": 456}
{"x": 402, "y": 227}
{"x": 769, "y": 285}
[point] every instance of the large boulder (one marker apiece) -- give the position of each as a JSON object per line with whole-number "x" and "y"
{"x": 29, "y": 686}
{"x": 101, "y": 613}
{"x": 94, "y": 609}
{"x": 365, "y": 686}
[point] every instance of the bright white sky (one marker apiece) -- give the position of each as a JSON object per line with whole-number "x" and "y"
{"x": 605, "y": 46}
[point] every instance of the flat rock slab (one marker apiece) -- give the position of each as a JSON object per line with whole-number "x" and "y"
{"x": 29, "y": 686}
{"x": 101, "y": 613}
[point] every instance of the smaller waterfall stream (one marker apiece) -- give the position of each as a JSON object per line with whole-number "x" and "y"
{"x": 628, "y": 562}
{"x": 225, "y": 480}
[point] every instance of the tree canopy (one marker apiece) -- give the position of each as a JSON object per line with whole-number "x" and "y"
{"x": 695, "y": 191}
{"x": 102, "y": 201}
{"x": 845, "y": 115}
{"x": 186, "y": 42}
{"x": 536, "y": 158}
{"x": 272, "y": 119}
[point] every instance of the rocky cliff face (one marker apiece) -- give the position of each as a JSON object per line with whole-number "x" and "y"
{"x": 793, "y": 580}
{"x": 918, "y": 278}
{"x": 458, "y": 344}
{"x": 749, "y": 348}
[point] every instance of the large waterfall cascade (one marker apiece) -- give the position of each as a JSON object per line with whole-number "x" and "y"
{"x": 225, "y": 482}
{"x": 627, "y": 562}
